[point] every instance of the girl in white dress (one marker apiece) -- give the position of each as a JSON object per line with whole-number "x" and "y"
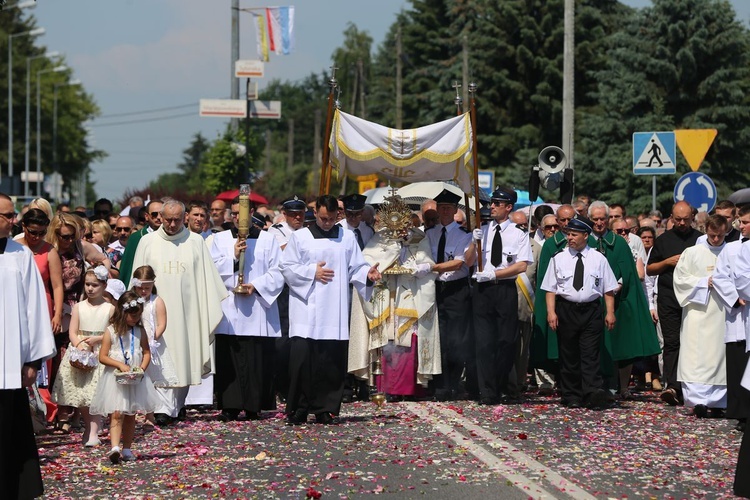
{"x": 154, "y": 319}
{"x": 74, "y": 387}
{"x": 124, "y": 349}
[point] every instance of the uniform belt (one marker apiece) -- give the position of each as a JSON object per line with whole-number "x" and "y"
{"x": 578, "y": 304}
{"x": 487, "y": 284}
{"x": 460, "y": 282}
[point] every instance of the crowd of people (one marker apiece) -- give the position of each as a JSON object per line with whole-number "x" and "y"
{"x": 339, "y": 300}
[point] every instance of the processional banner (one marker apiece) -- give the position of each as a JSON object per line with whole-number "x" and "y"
{"x": 441, "y": 151}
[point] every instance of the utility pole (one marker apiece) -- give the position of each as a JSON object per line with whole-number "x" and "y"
{"x": 290, "y": 146}
{"x": 234, "y": 90}
{"x": 399, "y": 99}
{"x": 568, "y": 103}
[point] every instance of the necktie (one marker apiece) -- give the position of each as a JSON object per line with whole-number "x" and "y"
{"x": 360, "y": 242}
{"x": 496, "y": 257}
{"x": 441, "y": 248}
{"x": 578, "y": 276}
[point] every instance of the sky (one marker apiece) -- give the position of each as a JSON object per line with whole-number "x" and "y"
{"x": 137, "y": 57}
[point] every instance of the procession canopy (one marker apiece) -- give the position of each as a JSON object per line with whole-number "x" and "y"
{"x": 441, "y": 151}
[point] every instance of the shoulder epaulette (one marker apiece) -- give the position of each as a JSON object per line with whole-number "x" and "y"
{"x": 559, "y": 251}
{"x": 277, "y": 225}
{"x": 428, "y": 228}
{"x": 463, "y": 229}
{"x": 520, "y": 227}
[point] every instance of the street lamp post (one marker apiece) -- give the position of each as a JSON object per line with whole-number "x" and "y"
{"x": 55, "y": 167}
{"x": 38, "y": 131}
{"x": 34, "y": 32}
{"x": 28, "y": 109}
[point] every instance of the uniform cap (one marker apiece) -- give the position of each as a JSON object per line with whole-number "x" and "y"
{"x": 259, "y": 221}
{"x": 294, "y": 204}
{"x": 447, "y": 196}
{"x": 580, "y": 224}
{"x": 310, "y": 216}
{"x": 354, "y": 202}
{"x": 504, "y": 195}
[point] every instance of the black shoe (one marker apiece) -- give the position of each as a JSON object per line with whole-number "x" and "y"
{"x": 669, "y": 396}
{"x": 299, "y": 417}
{"x": 228, "y": 416}
{"x": 700, "y": 411}
{"x": 442, "y": 395}
{"x": 508, "y": 399}
{"x": 348, "y": 397}
{"x": 600, "y": 400}
{"x": 182, "y": 415}
{"x": 252, "y": 415}
{"x": 740, "y": 425}
{"x": 323, "y": 418}
{"x": 488, "y": 401}
{"x": 162, "y": 419}
{"x": 572, "y": 404}
{"x": 716, "y": 412}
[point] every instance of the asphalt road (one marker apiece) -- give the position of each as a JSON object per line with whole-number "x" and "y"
{"x": 538, "y": 449}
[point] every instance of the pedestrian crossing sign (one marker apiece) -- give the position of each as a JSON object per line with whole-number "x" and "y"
{"x": 654, "y": 153}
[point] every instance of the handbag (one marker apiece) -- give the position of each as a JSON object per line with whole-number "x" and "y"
{"x": 37, "y": 408}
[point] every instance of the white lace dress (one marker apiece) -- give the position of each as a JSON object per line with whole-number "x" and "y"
{"x": 128, "y": 399}
{"x": 161, "y": 370}
{"x": 74, "y": 387}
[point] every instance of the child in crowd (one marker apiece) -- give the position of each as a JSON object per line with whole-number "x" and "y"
{"x": 124, "y": 349}
{"x": 75, "y": 386}
{"x": 161, "y": 370}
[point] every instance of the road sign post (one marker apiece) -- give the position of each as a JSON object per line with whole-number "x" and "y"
{"x": 654, "y": 153}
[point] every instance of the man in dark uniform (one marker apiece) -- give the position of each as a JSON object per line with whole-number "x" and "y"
{"x": 576, "y": 279}
{"x": 506, "y": 252}
{"x": 451, "y": 245}
{"x": 661, "y": 262}
{"x": 354, "y": 205}
{"x": 294, "y": 215}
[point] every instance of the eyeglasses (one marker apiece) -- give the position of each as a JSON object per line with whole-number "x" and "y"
{"x": 38, "y": 234}
{"x": 623, "y": 231}
{"x": 552, "y": 226}
{"x": 155, "y": 214}
{"x": 122, "y": 229}
{"x": 633, "y": 228}
{"x": 9, "y": 215}
{"x": 112, "y": 227}
{"x": 66, "y": 237}
{"x": 681, "y": 219}
{"x": 499, "y": 203}
{"x": 88, "y": 236}
{"x": 235, "y": 214}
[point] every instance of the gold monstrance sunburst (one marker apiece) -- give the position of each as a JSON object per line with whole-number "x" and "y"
{"x": 394, "y": 216}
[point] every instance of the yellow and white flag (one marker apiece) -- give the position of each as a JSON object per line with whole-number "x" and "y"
{"x": 261, "y": 40}
{"x": 441, "y": 151}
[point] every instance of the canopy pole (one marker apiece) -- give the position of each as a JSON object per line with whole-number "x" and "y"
{"x": 477, "y": 206}
{"x": 325, "y": 168}
{"x": 458, "y": 101}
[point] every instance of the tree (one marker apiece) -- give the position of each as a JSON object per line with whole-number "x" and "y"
{"x": 192, "y": 158}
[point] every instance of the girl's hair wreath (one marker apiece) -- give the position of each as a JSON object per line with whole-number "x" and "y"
{"x": 133, "y": 303}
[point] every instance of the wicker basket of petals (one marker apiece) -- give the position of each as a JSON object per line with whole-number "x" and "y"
{"x": 83, "y": 360}
{"x": 128, "y": 378}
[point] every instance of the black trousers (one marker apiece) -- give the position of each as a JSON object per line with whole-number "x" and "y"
{"x": 316, "y": 375}
{"x": 670, "y": 317}
{"x": 579, "y": 333}
{"x": 496, "y": 335}
{"x": 742, "y": 473}
{"x": 20, "y": 475}
{"x": 244, "y": 373}
{"x": 281, "y": 371}
{"x": 454, "y": 314}
{"x": 738, "y": 398}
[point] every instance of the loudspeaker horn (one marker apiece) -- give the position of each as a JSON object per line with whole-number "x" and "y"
{"x": 552, "y": 160}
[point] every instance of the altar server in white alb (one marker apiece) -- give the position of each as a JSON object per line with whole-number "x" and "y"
{"x": 245, "y": 338}
{"x": 319, "y": 263}
{"x": 701, "y": 367}
{"x": 737, "y": 315}
{"x": 26, "y": 340}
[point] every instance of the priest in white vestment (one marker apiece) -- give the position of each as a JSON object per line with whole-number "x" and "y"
{"x": 192, "y": 291}
{"x": 245, "y": 338}
{"x": 319, "y": 263}
{"x": 400, "y": 322}
{"x": 701, "y": 367}
{"x": 26, "y": 340}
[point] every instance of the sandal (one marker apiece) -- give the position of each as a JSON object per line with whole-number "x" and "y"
{"x": 62, "y": 428}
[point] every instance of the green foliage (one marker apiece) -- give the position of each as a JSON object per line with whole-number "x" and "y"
{"x": 678, "y": 65}
{"x": 74, "y": 106}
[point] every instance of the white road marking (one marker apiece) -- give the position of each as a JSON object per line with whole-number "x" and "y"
{"x": 501, "y": 451}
